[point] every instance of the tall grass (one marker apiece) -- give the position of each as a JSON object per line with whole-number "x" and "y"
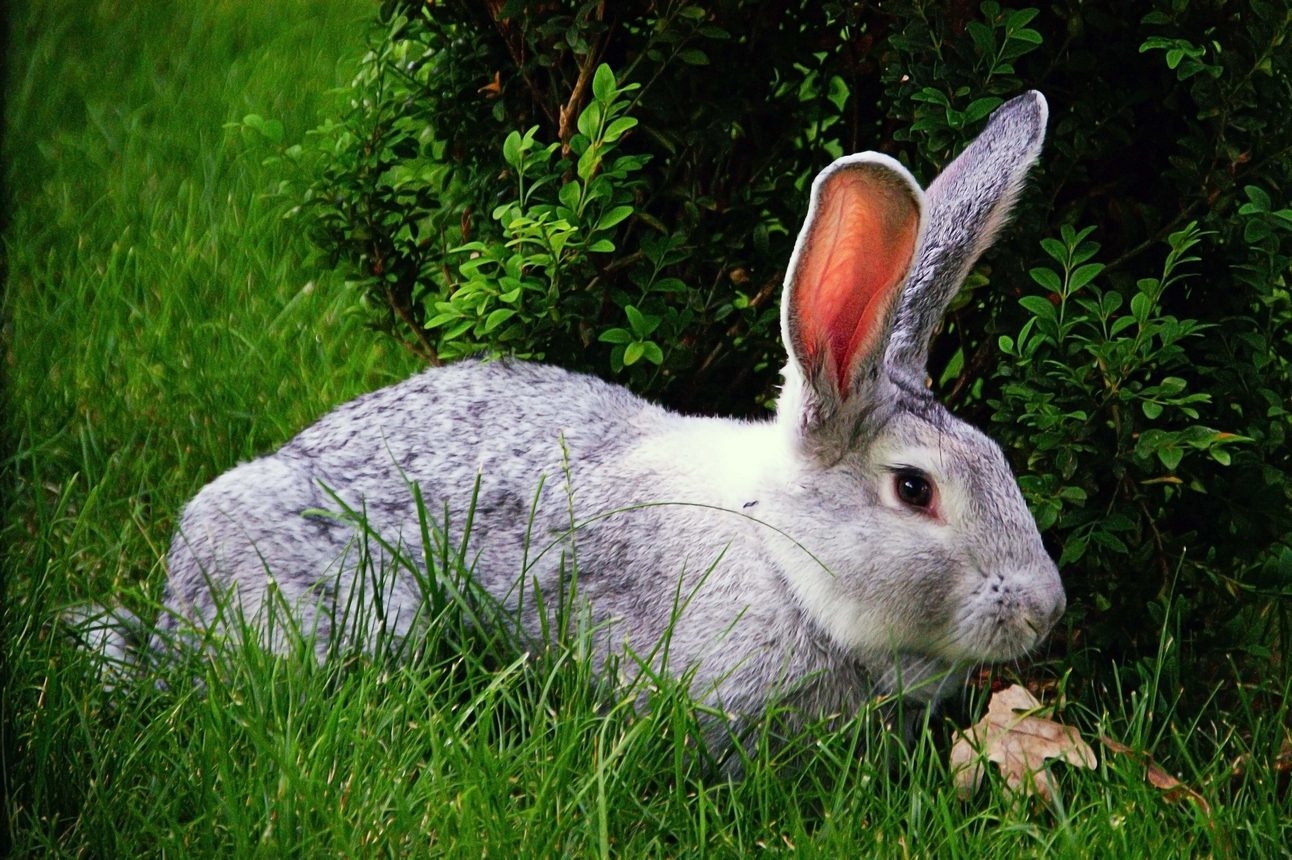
{"x": 162, "y": 322}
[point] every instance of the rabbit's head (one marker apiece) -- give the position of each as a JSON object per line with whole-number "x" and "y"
{"x": 922, "y": 542}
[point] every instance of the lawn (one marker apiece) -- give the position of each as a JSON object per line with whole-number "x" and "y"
{"x": 164, "y": 319}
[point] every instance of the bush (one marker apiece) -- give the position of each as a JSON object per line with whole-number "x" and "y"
{"x": 616, "y": 188}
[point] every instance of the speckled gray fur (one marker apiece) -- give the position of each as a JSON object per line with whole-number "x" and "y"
{"x": 800, "y": 575}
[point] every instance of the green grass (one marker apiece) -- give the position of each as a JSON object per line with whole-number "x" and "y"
{"x": 162, "y": 322}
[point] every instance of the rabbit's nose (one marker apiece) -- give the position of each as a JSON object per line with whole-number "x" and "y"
{"x": 1046, "y": 610}
{"x": 1042, "y": 605}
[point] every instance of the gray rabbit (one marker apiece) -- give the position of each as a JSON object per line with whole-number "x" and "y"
{"x": 863, "y": 541}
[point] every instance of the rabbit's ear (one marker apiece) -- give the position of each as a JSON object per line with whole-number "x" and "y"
{"x": 967, "y": 204}
{"x": 849, "y": 264}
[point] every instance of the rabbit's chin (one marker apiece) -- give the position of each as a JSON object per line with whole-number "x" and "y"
{"x": 989, "y": 642}
{"x": 930, "y": 667}
{"x": 927, "y": 678}
{"x": 920, "y": 678}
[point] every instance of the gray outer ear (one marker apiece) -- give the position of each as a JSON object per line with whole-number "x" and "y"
{"x": 967, "y": 204}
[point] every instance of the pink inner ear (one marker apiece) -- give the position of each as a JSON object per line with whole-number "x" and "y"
{"x": 854, "y": 263}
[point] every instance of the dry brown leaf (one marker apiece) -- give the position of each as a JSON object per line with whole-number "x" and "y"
{"x": 493, "y": 89}
{"x": 1172, "y": 788}
{"x": 1020, "y": 743}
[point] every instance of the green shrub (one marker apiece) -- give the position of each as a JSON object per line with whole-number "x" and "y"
{"x": 616, "y": 188}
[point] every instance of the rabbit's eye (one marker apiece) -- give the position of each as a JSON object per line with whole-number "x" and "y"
{"x": 914, "y": 489}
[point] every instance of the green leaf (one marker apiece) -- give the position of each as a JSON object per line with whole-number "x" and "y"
{"x": 1027, "y": 36}
{"x": 980, "y": 109}
{"x": 1047, "y": 279}
{"x": 1040, "y": 307}
{"x": 589, "y": 162}
{"x": 1084, "y": 275}
{"x": 1056, "y": 250}
{"x": 569, "y": 195}
{"x": 670, "y": 285}
{"x": 633, "y": 353}
{"x": 642, "y": 324}
{"x": 616, "y": 335}
{"x": 1255, "y": 231}
{"x": 955, "y": 365}
{"x": 1141, "y": 306}
{"x": 498, "y": 317}
{"x": 1170, "y": 457}
{"x": 590, "y": 120}
{"x": 604, "y": 86}
{"x": 618, "y": 127}
{"x": 1109, "y": 303}
{"x": 1120, "y": 325}
{"x": 1074, "y": 549}
{"x": 931, "y": 96}
{"x": 1020, "y": 18}
{"x": 270, "y": 129}
{"x": 1260, "y": 199}
{"x": 455, "y": 332}
{"x": 511, "y": 149}
{"x": 442, "y": 319}
{"x": 1075, "y": 495}
{"x": 613, "y": 216}
{"x": 984, "y": 38}
{"x": 1109, "y": 540}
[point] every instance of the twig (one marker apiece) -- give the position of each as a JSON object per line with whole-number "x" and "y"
{"x": 765, "y": 292}
{"x": 515, "y": 50}
{"x": 565, "y": 126}
{"x": 424, "y": 347}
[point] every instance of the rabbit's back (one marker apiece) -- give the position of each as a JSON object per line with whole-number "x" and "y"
{"x": 556, "y": 472}
{"x": 273, "y": 522}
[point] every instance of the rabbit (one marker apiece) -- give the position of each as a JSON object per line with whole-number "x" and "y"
{"x": 861, "y": 542}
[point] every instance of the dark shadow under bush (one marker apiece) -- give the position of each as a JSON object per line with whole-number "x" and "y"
{"x": 614, "y": 188}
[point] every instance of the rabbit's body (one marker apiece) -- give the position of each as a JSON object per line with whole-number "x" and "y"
{"x": 862, "y": 541}
{"x": 543, "y": 467}
{"x": 611, "y": 468}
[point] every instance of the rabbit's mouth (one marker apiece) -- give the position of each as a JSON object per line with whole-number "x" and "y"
{"x": 1002, "y": 635}
{"x": 1001, "y": 631}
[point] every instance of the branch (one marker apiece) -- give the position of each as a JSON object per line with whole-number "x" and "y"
{"x": 516, "y": 49}
{"x": 566, "y": 124}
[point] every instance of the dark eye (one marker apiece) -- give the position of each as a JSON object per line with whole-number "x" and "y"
{"x": 914, "y": 489}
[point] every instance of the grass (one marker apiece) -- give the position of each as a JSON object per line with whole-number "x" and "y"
{"x": 162, "y": 322}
